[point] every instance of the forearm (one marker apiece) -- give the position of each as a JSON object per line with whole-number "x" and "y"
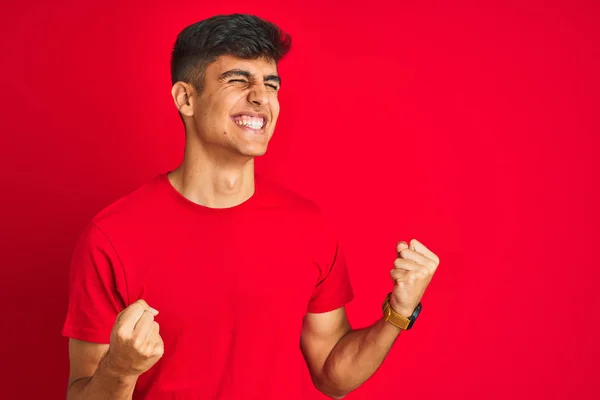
{"x": 356, "y": 356}
{"x": 105, "y": 384}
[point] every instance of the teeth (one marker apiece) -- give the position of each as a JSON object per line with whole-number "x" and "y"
{"x": 252, "y": 122}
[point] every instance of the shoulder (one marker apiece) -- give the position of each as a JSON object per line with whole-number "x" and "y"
{"x": 140, "y": 205}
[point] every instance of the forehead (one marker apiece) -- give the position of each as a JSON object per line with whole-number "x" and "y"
{"x": 259, "y": 66}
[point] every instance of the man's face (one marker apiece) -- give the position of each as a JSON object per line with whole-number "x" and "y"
{"x": 238, "y": 107}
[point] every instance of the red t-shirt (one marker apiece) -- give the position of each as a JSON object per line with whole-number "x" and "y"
{"x": 232, "y": 287}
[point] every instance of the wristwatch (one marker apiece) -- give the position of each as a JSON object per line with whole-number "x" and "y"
{"x": 396, "y": 319}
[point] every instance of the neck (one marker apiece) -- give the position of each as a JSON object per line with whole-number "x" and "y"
{"x": 212, "y": 180}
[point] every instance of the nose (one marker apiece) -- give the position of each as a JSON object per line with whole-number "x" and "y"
{"x": 258, "y": 95}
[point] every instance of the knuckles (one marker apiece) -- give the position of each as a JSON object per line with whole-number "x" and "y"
{"x": 147, "y": 352}
{"x": 423, "y": 273}
{"x": 432, "y": 265}
{"x": 123, "y": 334}
{"x": 138, "y": 343}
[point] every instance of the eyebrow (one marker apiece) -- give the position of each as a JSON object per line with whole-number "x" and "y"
{"x": 248, "y": 75}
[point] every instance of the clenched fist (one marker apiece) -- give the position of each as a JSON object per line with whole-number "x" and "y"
{"x": 413, "y": 270}
{"x": 135, "y": 342}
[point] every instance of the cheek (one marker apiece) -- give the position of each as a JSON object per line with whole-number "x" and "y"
{"x": 229, "y": 102}
{"x": 275, "y": 107}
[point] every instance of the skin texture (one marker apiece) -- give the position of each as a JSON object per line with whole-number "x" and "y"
{"x": 341, "y": 359}
{"x": 218, "y": 171}
{"x": 218, "y": 166}
{"x": 110, "y": 371}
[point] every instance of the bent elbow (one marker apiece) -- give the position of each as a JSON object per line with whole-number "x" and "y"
{"x": 329, "y": 390}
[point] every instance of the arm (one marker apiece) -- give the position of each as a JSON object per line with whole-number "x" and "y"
{"x": 341, "y": 359}
{"x": 92, "y": 377}
{"x": 110, "y": 371}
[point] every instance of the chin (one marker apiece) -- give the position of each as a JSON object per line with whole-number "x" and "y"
{"x": 256, "y": 153}
{"x": 252, "y": 151}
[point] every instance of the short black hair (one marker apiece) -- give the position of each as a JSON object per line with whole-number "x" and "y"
{"x": 240, "y": 35}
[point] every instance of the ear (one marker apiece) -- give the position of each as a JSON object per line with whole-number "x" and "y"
{"x": 182, "y": 94}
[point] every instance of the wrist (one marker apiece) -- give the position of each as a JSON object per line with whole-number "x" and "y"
{"x": 395, "y": 317}
{"x": 110, "y": 367}
{"x": 398, "y": 309}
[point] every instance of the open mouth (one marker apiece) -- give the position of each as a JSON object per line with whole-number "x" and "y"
{"x": 254, "y": 122}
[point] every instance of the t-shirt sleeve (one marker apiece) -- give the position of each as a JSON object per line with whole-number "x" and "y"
{"x": 97, "y": 288}
{"x": 333, "y": 289}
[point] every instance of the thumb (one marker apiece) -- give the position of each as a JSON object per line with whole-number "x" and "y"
{"x": 143, "y": 303}
{"x": 401, "y": 246}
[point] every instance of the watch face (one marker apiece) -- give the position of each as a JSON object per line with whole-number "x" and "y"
{"x": 416, "y": 312}
{"x": 414, "y": 316}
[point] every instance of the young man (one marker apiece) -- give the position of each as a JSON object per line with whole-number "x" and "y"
{"x": 236, "y": 269}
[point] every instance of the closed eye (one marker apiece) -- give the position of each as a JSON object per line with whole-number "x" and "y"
{"x": 274, "y": 87}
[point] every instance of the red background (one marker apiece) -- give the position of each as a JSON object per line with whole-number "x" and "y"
{"x": 471, "y": 128}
